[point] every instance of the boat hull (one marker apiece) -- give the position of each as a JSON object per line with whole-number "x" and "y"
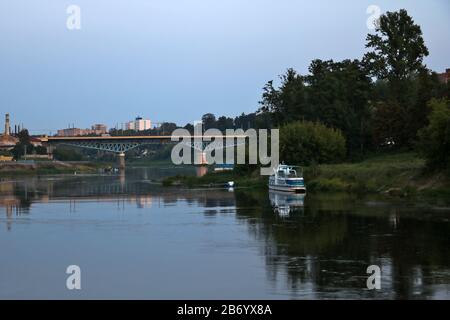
{"x": 287, "y": 188}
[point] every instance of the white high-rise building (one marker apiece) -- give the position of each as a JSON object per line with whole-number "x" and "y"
{"x": 138, "y": 124}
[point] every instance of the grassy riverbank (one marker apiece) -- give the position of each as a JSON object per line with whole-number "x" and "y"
{"x": 217, "y": 179}
{"x": 402, "y": 174}
{"x": 48, "y": 167}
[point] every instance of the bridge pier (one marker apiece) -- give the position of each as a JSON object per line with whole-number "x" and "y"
{"x": 50, "y": 149}
{"x": 200, "y": 158}
{"x": 121, "y": 161}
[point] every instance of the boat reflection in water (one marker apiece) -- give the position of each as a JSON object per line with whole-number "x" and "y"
{"x": 283, "y": 203}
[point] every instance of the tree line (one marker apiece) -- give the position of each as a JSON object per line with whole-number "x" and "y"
{"x": 343, "y": 110}
{"x": 388, "y": 99}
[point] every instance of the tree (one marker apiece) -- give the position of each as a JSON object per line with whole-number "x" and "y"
{"x": 388, "y": 128}
{"x": 397, "y": 56}
{"x": 224, "y": 123}
{"x": 338, "y": 94}
{"x": 189, "y": 127}
{"x": 304, "y": 143}
{"x": 245, "y": 121}
{"x": 426, "y": 87}
{"x": 167, "y": 128}
{"x": 67, "y": 154}
{"x": 398, "y": 48}
{"x": 334, "y": 93}
{"x": 435, "y": 138}
{"x": 209, "y": 121}
{"x": 287, "y": 103}
{"x": 23, "y": 146}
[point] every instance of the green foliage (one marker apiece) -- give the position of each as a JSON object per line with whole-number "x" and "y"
{"x": 67, "y": 154}
{"x": 435, "y": 138}
{"x": 208, "y": 121}
{"x": 389, "y": 128}
{"x": 400, "y": 172}
{"x": 41, "y": 150}
{"x": 396, "y": 60}
{"x": 23, "y": 146}
{"x": 305, "y": 143}
{"x": 163, "y": 153}
{"x": 334, "y": 93}
{"x": 287, "y": 103}
{"x": 398, "y": 47}
{"x": 6, "y": 153}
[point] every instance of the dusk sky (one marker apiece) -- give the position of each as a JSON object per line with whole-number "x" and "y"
{"x": 174, "y": 60}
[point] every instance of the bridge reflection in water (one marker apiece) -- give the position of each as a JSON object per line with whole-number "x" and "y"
{"x": 18, "y": 196}
{"x": 318, "y": 246}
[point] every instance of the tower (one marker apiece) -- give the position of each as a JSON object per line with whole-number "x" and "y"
{"x": 7, "y": 127}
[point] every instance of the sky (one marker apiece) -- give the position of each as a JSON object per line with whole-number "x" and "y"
{"x": 175, "y": 60}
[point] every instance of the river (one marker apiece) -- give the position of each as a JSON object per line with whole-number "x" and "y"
{"x": 134, "y": 239}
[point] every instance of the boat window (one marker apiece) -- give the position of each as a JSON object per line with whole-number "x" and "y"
{"x": 292, "y": 174}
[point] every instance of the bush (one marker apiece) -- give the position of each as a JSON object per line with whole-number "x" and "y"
{"x": 434, "y": 141}
{"x": 66, "y": 154}
{"x": 305, "y": 143}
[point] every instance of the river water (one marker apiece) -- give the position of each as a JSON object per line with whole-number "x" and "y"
{"x": 133, "y": 238}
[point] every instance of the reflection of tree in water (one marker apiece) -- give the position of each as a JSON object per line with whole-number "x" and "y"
{"x": 327, "y": 247}
{"x": 24, "y": 197}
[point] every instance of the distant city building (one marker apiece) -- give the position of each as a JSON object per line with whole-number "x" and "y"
{"x": 138, "y": 124}
{"x": 70, "y": 132}
{"x": 36, "y": 142}
{"x": 7, "y": 141}
{"x": 445, "y": 76}
{"x": 99, "y": 129}
{"x": 96, "y": 129}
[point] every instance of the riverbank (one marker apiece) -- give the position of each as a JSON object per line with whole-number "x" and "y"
{"x": 212, "y": 179}
{"x": 401, "y": 174}
{"x": 48, "y": 167}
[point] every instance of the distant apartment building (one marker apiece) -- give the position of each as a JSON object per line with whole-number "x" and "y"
{"x": 445, "y": 76}
{"x": 96, "y": 129}
{"x": 70, "y": 132}
{"x": 99, "y": 129}
{"x": 138, "y": 124}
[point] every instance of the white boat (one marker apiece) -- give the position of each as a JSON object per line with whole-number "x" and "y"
{"x": 287, "y": 178}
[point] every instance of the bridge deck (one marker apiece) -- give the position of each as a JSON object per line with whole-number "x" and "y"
{"x": 135, "y": 138}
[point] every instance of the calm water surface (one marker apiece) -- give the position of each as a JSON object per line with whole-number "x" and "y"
{"x": 135, "y": 239}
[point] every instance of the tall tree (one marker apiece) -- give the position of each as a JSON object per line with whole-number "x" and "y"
{"x": 209, "y": 121}
{"x": 286, "y": 103}
{"x": 23, "y": 146}
{"x": 396, "y": 56}
{"x": 334, "y": 93}
{"x": 398, "y": 48}
{"x": 338, "y": 95}
{"x": 435, "y": 138}
{"x": 224, "y": 123}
